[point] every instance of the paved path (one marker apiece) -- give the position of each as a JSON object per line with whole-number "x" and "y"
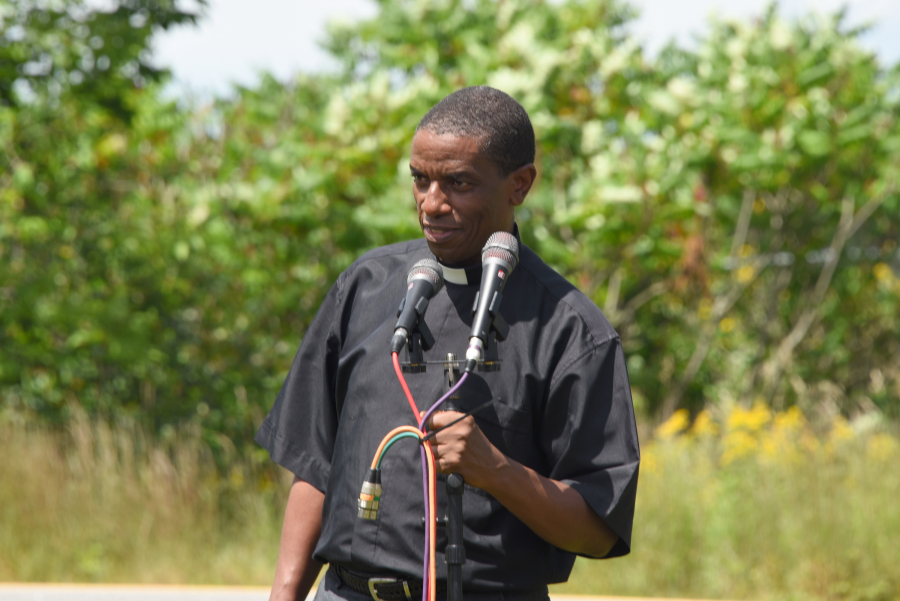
{"x": 126, "y": 592}
{"x": 108, "y": 592}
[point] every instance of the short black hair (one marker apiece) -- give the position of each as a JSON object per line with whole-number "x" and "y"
{"x": 492, "y": 117}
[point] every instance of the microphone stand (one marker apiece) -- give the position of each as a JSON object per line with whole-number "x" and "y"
{"x": 454, "y": 552}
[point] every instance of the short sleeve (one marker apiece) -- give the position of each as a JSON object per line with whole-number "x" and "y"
{"x": 590, "y": 437}
{"x": 300, "y": 430}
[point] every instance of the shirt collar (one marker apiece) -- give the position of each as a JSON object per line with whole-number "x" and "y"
{"x": 471, "y": 275}
{"x": 463, "y": 276}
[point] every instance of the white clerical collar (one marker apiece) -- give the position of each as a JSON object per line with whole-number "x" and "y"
{"x": 462, "y": 276}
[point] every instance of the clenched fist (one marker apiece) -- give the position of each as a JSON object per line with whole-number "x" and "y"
{"x": 464, "y": 449}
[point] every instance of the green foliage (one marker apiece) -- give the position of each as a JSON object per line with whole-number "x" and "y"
{"x": 750, "y": 153}
{"x": 62, "y": 51}
{"x": 734, "y": 209}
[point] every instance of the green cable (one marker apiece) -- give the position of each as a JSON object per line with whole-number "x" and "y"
{"x": 391, "y": 443}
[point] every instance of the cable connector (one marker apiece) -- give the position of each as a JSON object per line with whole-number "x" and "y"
{"x": 474, "y": 353}
{"x": 370, "y": 496}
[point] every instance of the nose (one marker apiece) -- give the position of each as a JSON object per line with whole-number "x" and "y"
{"x": 433, "y": 201}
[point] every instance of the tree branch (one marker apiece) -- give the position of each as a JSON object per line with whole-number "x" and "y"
{"x": 722, "y": 304}
{"x": 743, "y": 223}
{"x": 624, "y": 317}
{"x": 848, "y": 225}
{"x": 612, "y": 294}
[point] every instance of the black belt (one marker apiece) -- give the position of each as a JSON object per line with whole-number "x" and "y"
{"x": 384, "y": 588}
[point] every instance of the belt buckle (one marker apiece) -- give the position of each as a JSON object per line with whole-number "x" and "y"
{"x": 373, "y": 581}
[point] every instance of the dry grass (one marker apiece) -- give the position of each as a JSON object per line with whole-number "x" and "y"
{"x": 738, "y": 505}
{"x": 756, "y": 505}
{"x": 95, "y": 504}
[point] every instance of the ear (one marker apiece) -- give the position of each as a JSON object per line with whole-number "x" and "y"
{"x": 521, "y": 181}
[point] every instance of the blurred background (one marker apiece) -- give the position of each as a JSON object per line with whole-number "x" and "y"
{"x": 181, "y": 183}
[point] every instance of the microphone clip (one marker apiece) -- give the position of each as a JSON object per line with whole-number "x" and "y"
{"x": 498, "y": 332}
{"x": 419, "y": 340}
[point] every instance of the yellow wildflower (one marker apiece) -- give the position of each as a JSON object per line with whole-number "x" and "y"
{"x": 772, "y": 447}
{"x": 745, "y": 274}
{"x": 738, "y": 444}
{"x": 882, "y": 272}
{"x": 881, "y": 447}
{"x": 752, "y": 420}
{"x": 704, "y": 425}
{"x": 840, "y": 431}
{"x": 791, "y": 420}
{"x": 673, "y": 426}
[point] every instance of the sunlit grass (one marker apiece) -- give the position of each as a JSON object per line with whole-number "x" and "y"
{"x": 96, "y": 504}
{"x": 737, "y": 504}
{"x": 751, "y": 504}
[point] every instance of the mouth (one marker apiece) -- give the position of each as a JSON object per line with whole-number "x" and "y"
{"x": 437, "y": 234}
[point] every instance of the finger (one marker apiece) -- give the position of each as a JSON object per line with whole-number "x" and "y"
{"x": 440, "y": 419}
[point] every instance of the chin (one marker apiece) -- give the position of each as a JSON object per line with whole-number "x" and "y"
{"x": 452, "y": 255}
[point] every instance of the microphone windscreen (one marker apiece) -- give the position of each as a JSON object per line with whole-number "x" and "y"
{"x": 428, "y": 269}
{"x": 502, "y": 245}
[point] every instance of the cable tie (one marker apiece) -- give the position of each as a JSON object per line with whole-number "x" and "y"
{"x": 456, "y": 421}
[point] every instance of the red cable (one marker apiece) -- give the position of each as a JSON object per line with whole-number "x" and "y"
{"x": 396, "y": 359}
{"x": 428, "y": 583}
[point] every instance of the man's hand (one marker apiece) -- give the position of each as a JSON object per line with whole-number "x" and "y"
{"x": 553, "y": 510}
{"x": 464, "y": 449}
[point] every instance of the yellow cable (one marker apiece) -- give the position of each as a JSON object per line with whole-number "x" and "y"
{"x": 432, "y": 499}
{"x": 389, "y": 436}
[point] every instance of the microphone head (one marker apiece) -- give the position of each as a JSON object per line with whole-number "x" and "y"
{"x": 427, "y": 269}
{"x": 504, "y": 246}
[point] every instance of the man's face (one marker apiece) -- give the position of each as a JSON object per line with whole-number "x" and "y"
{"x": 461, "y": 196}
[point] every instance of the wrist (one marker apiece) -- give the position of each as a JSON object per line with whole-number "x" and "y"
{"x": 497, "y": 475}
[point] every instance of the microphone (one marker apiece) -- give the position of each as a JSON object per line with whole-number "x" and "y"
{"x": 425, "y": 279}
{"x": 498, "y": 258}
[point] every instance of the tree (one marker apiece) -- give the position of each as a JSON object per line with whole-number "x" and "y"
{"x": 732, "y": 209}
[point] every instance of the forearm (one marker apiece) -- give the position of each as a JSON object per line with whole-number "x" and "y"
{"x": 553, "y": 510}
{"x": 296, "y": 570}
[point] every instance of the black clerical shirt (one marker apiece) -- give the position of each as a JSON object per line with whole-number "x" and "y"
{"x": 564, "y": 410}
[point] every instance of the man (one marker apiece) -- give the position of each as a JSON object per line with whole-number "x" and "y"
{"x": 551, "y": 467}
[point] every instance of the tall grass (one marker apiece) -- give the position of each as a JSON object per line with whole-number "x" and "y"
{"x": 97, "y": 504}
{"x": 741, "y": 504}
{"x": 752, "y": 504}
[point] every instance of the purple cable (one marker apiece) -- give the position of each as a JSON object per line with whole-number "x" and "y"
{"x": 440, "y": 401}
{"x": 422, "y": 423}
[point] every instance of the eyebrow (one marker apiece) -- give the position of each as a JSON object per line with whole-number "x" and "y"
{"x": 453, "y": 175}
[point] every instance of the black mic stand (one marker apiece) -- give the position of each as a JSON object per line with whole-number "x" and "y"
{"x": 454, "y": 552}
